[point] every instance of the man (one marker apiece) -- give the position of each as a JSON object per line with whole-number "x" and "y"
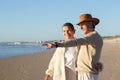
{"x": 90, "y": 50}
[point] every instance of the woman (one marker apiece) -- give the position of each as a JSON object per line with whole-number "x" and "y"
{"x": 63, "y": 63}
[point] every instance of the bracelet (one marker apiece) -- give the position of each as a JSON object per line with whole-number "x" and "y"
{"x": 56, "y": 44}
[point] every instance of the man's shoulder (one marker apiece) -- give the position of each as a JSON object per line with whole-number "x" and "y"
{"x": 96, "y": 34}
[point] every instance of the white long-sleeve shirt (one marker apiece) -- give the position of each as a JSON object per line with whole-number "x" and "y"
{"x": 56, "y": 66}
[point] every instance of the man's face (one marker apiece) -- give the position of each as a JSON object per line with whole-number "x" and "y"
{"x": 86, "y": 27}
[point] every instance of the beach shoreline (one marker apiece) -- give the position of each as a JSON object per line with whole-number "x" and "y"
{"x": 33, "y": 66}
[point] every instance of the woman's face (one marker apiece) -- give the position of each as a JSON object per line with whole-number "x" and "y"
{"x": 68, "y": 33}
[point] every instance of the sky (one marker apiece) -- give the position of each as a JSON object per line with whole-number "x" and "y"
{"x": 33, "y": 20}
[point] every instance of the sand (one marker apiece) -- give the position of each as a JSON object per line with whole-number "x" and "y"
{"x": 33, "y": 66}
{"x": 26, "y": 67}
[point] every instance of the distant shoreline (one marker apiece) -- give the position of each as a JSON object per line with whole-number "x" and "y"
{"x": 108, "y": 39}
{"x": 111, "y": 37}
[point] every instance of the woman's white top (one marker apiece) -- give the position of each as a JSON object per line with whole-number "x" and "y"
{"x": 70, "y": 57}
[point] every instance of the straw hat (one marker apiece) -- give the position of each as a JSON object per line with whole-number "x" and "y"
{"x": 88, "y": 17}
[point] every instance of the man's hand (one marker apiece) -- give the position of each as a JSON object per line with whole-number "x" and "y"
{"x": 49, "y": 45}
{"x": 99, "y": 66}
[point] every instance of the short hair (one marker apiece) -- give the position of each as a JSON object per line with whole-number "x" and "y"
{"x": 70, "y": 25}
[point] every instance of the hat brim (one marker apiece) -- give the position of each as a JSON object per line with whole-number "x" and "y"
{"x": 95, "y": 20}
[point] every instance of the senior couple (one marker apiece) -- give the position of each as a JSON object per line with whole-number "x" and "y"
{"x": 77, "y": 58}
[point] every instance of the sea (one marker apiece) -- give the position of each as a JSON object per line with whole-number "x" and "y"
{"x": 10, "y": 49}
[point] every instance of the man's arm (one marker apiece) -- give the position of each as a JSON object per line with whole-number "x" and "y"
{"x": 77, "y": 42}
